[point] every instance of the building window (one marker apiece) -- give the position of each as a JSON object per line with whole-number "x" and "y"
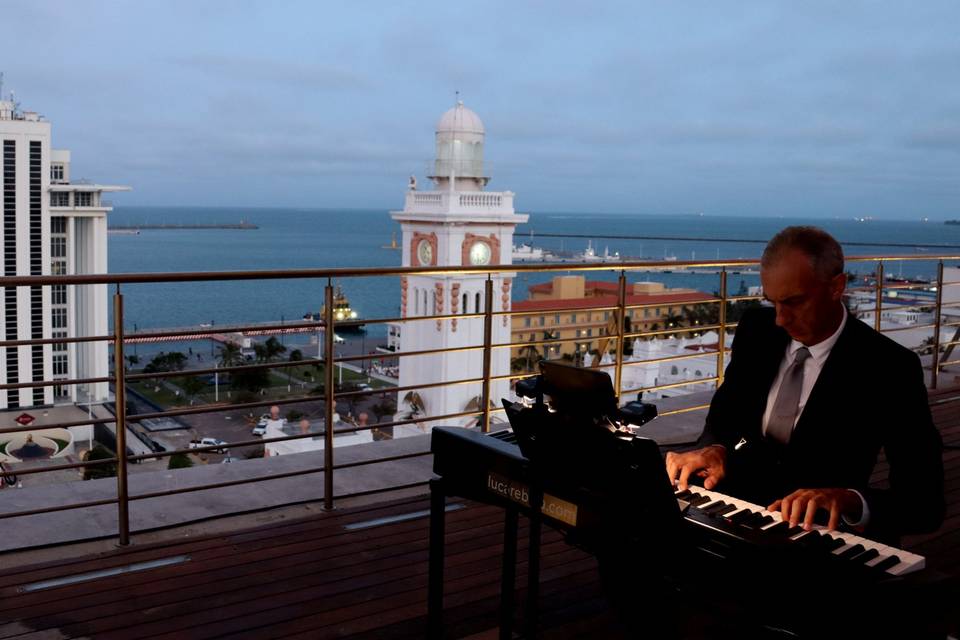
{"x": 573, "y": 318}
{"x": 60, "y": 365}
{"x": 464, "y": 303}
{"x": 58, "y": 247}
{"x": 84, "y": 198}
{"x": 646, "y": 313}
{"x": 541, "y": 321}
{"x": 59, "y": 199}
{"x": 476, "y": 301}
{"x": 58, "y": 224}
{"x": 556, "y": 319}
{"x": 58, "y": 268}
{"x": 526, "y": 321}
{"x": 59, "y": 294}
{"x": 59, "y": 346}
{"x": 56, "y": 172}
{"x": 58, "y": 318}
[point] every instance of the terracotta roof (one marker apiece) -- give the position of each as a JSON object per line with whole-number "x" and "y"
{"x": 607, "y": 301}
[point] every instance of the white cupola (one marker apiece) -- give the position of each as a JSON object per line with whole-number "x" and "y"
{"x": 459, "y": 162}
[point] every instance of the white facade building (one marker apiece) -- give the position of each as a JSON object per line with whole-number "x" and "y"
{"x": 50, "y": 226}
{"x": 458, "y": 223}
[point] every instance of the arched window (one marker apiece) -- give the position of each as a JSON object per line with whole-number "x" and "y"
{"x": 674, "y": 371}
{"x": 477, "y": 307}
{"x": 464, "y": 304}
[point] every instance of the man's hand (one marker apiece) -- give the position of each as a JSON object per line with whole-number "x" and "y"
{"x": 709, "y": 463}
{"x": 802, "y": 505}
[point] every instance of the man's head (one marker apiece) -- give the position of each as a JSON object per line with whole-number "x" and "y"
{"x": 274, "y": 412}
{"x": 802, "y": 275}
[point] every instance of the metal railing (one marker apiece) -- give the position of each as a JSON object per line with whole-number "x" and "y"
{"x": 330, "y": 361}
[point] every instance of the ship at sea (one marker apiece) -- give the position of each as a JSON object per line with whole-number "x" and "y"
{"x": 342, "y": 312}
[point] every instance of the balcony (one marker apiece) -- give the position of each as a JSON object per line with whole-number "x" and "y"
{"x": 307, "y": 545}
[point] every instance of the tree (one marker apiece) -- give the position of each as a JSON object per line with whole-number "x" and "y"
{"x": 173, "y": 361}
{"x": 260, "y": 352}
{"x": 179, "y": 461}
{"x": 229, "y": 354}
{"x": 105, "y": 470}
{"x": 273, "y": 348}
{"x": 296, "y": 355}
{"x": 191, "y": 385}
{"x": 133, "y": 360}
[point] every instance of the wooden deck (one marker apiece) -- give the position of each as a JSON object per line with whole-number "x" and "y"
{"x": 317, "y": 578}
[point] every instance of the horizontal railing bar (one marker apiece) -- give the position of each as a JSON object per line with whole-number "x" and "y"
{"x": 61, "y": 467}
{"x": 673, "y": 412}
{"x": 54, "y": 383}
{"x": 366, "y": 272}
{"x": 58, "y": 425}
{"x": 912, "y": 326}
{"x": 712, "y": 354}
{"x": 225, "y": 483}
{"x": 75, "y": 340}
{"x": 672, "y": 385}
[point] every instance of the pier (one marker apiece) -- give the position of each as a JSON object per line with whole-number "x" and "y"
{"x": 140, "y": 227}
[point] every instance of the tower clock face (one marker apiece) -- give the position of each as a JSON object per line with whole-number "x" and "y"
{"x": 425, "y": 252}
{"x": 479, "y": 253}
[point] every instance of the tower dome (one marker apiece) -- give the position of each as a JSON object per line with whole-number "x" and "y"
{"x": 459, "y": 160}
{"x": 460, "y": 119}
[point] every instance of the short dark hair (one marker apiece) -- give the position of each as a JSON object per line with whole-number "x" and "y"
{"x": 824, "y": 252}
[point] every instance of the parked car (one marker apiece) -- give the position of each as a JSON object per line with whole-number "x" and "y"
{"x": 209, "y": 442}
{"x": 260, "y": 429}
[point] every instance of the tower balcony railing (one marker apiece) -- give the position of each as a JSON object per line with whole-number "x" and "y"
{"x": 459, "y": 202}
{"x": 716, "y": 313}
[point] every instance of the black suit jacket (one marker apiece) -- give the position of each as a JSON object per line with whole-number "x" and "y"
{"x": 870, "y": 395}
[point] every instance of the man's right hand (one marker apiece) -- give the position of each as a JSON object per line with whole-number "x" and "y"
{"x": 708, "y": 463}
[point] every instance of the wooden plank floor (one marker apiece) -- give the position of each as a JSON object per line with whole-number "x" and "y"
{"x": 313, "y": 578}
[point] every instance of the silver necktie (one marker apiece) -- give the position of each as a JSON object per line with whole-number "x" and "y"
{"x": 784, "y": 413}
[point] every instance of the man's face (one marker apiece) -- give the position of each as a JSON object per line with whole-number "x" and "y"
{"x": 807, "y": 308}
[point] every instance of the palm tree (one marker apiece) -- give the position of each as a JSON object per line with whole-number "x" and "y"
{"x": 273, "y": 348}
{"x": 229, "y": 354}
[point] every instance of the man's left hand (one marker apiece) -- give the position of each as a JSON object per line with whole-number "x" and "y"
{"x": 802, "y": 505}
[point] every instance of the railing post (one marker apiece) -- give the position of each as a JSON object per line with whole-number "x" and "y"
{"x": 621, "y": 314}
{"x": 878, "y": 302}
{"x": 935, "y": 364}
{"x": 487, "y": 348}
{"x": 722, "y": 331}
{"x": 120, "y": 403}
{"x": 329, "y": 398}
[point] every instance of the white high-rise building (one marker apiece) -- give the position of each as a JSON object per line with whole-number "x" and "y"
{"x": 458, "y": 223}
{"x": 50, "y": 226}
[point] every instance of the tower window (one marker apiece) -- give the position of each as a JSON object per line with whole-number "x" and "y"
{"x": 56, "y": 172}
{"x": 84, "y": 198}
{"x": 59, "y": 199}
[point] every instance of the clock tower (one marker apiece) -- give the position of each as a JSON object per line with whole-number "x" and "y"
{"x": 458, "y": 223}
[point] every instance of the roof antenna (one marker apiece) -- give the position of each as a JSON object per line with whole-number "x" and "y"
{"x": 1, "y": 85}
{"x": 457, "y": 93}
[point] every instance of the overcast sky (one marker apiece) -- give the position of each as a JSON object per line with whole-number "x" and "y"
{"x": 743, "y": 108}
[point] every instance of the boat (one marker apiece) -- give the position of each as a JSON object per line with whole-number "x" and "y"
{"x": 528, "y": 253}
{"x": 590, "y": 255}
{"x": 342, "y": 312}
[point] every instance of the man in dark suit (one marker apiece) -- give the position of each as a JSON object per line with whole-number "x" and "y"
{"x": 809, "y": 399}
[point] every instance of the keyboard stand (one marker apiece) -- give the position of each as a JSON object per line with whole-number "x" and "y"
{"x": 438, "y": 501}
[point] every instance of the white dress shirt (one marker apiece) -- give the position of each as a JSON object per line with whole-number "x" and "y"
{"x": 812, "y": 367}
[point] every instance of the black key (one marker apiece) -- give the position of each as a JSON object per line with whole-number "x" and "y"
{"x": 740, "y": 517}
{"x": 753, "y": 521}
{"x": 683, "y": 495}
{"x": 866, "y": 556}
{"x": 811, "y": 539}
{"x": 792, "y": 531}
{"x": 835, "y": 543}
{"x": 715, "y": 507}
{"x": 698, "y": 500}
{"x": 727, "y": 509}
{"x": 764, "y": 521}
{"x": 855, "y": 550}
{"x": 778, "y": 529}
{"x": 887, "y": 563}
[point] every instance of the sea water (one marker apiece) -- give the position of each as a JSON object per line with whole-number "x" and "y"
{"x": 327, "y": 238}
